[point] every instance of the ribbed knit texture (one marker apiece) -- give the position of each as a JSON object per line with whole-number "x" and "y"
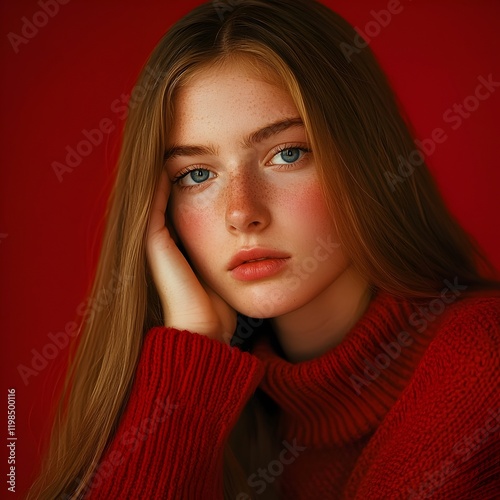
{"x": 406, "y": 406}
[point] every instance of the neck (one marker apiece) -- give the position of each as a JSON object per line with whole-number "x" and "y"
{"x": 312, "y": 330}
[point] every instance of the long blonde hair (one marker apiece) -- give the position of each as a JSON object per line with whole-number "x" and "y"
{"x": 399, "y": 235}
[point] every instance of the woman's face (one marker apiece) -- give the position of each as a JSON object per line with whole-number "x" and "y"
{"x": 244, "y": 193}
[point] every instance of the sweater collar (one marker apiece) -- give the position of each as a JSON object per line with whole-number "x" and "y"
{"x": 344, "y": 394}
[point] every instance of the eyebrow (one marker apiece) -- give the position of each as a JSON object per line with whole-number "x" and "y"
{"x": 253, "y": 138}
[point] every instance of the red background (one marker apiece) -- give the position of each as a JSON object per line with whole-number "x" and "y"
{"x": 66, "y": 79}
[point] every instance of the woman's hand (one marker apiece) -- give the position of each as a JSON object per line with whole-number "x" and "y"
{"x": 188, "y": 303}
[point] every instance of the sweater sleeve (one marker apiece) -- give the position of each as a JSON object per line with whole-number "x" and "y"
{"x": 188, "y": 393}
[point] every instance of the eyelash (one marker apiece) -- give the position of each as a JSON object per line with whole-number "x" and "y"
{"x": 279, "y": 149}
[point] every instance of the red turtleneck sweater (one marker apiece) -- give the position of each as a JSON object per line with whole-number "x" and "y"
{"x": 406, "y": 406}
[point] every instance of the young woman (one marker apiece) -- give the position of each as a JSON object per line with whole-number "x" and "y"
{"x": 295, "y": 318}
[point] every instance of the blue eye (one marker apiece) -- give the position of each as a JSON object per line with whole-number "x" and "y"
{"x": 196, "y": 175}
{"x": 289, "y": 155}
{"x": 199, "y": 175}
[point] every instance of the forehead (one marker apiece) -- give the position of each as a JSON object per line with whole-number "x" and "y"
{"x": 232, "y": 97}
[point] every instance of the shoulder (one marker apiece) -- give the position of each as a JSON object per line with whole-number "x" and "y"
{"x": 442, "y": 434}
{"x": 469, "y": 332}
{"x": 476, "y": 310}
{"x": 459, "y": 368}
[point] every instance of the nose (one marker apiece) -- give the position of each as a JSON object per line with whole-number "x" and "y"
{"x": 246, "y": 205}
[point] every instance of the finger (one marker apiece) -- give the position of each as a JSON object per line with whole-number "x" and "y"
{"x": 171, "y": 229}
{"x": 160, "y": 200}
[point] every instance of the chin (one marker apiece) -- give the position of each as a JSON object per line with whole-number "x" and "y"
{"x": 269, "y": 306}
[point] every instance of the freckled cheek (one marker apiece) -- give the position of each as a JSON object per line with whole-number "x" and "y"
{"x": 306, "y": 203}
{"x": 194, "y": 226}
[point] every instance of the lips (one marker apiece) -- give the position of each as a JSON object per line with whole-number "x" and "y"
{"x": 255, "y": 254}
